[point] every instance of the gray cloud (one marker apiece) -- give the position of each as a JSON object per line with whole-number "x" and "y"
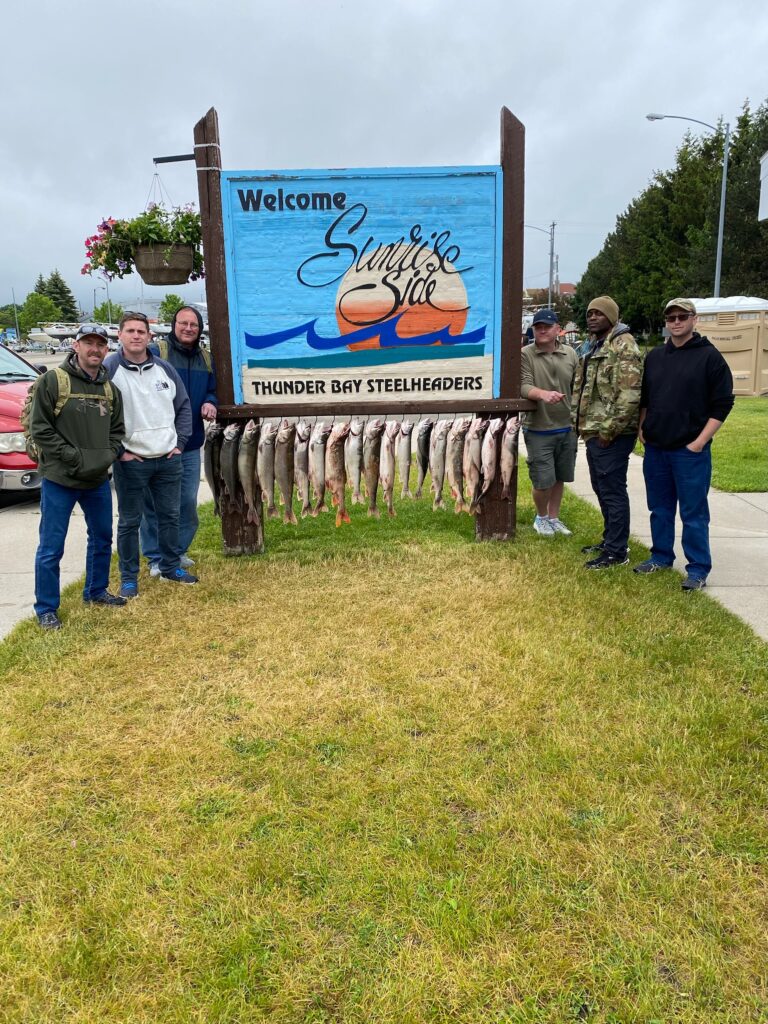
{"x": 93, "y": 91}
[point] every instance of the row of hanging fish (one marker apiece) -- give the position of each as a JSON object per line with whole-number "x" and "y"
{"x": 322, "y": 458}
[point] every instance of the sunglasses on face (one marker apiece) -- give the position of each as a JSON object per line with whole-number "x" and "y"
{"x": 670, "y": 318}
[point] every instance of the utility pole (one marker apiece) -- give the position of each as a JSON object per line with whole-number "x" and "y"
{"x": 551, "y": 263}
{"x": 15, "y": 316}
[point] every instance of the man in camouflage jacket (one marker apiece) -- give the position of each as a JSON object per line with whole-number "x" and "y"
{"x": 605, "y": 413}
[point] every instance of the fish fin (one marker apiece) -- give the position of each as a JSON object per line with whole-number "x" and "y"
{"x": 335, "y": 501}
{"x": 289, "y": 516}
{"x": 460, "y": 507}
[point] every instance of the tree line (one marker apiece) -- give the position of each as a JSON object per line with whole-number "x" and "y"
{"x": 664, "y": 244}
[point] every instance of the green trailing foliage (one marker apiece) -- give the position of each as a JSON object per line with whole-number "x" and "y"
{"x": 664, "y": 244}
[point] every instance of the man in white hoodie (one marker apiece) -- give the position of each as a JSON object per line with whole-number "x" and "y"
{"x": 158, "y": 424}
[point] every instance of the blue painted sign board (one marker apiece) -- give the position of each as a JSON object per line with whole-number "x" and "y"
{"x": 364, "y": 285}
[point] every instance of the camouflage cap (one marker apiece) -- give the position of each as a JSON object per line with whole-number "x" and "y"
{"x": 685, "y": 304}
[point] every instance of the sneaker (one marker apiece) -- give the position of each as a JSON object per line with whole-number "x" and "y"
{"x": 129, "y": 589}
{"x": 179, "y": 576}
{"x": 186, "y": 562}
{"x": 543, "y": 527}
{"x": 694, "y": 583}
{"x": 154, "y": 570}
{"x": 109, "y": 599}
{"x": 606, "y": 561}
{"x": 559, "y": 527}
{"x": 589, "y": 548}
{"x": 49, "y": 620}
{"x": 649, "y": 566}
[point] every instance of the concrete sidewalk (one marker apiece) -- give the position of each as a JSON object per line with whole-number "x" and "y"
{"x": 738, "y": 538}
{"x": 20, "y": 527}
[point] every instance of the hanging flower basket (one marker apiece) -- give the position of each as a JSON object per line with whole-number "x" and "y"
{"x": 163, "y": 246}
{"x": 164, "y": 264}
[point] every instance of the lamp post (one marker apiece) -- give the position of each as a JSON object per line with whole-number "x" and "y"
{"x": 551, "y": 233}
{"x": 723, "y": 185}
{"x": 103, "y": 287}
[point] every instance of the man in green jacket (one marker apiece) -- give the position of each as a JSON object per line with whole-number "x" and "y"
{"x": 76, "y": 423}
{"x": 606, "y": 410}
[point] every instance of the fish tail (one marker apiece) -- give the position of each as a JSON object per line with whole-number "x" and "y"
{"x": 373, "y": 512}
{"x": 342, "y": 516}
{"x": 289, "y": 516}
{"x": 505, "y": 495}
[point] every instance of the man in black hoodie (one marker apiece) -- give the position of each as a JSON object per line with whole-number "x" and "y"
{"x": 193, "y": 365}
{"x": 686, "y": 396}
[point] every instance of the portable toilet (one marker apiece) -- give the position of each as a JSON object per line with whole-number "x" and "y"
{"x": 738, "y": 327}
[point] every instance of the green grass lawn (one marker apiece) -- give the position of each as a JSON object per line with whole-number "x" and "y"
{"x": 740, "y": 448}
{"x": 387, "y": 774}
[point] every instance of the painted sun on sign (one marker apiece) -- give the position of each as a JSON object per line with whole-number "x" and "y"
{"x": 411, "y": 278}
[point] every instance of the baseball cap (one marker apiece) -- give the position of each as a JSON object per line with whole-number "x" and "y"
{"x": 685, "y": 304}
{"x": 545, "y": 316}
{"x": 86, "y": 330}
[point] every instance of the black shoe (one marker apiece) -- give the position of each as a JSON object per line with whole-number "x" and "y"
{"x": 589, "y": 548}
{"x": 606, "y": 561}
{"x": 694, "y": 583}
{"x": 109, "y": 599}
{"x": 49, "y": 620}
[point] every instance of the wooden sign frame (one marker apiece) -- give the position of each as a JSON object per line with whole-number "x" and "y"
{"x": 498, "y": 517}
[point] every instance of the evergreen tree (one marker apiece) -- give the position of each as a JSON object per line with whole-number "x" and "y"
{"x": 40, "y": 285}
{"x": 59, "y": 291}
{"x": 665, "y": 243}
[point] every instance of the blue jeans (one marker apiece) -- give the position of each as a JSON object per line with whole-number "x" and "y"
{"x": 56, "y": 506}
{"x": 679, "y": 477}
{"x": 188, "y": 521}
{"x": 162, "y": 478}
{"x": 608, "y": 476}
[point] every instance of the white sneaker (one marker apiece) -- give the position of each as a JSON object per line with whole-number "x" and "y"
{"x": 543, "y": 527}
{"x": 154, "y": 570}
{"x": 185, "y": 561}
{"x": 559, "y": 527}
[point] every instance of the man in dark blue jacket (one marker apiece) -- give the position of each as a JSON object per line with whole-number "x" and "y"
{"x": 686, "y": 395}
{"x": 183, "y": 352}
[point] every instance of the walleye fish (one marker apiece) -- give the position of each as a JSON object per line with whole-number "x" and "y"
{"x": 317, "y": 443}
{"x": 438, "y": 443}
{"x": 353, "y": 458}
{"x": 335, "y": 477}
{"x": 489, "y": 456}
{"x": 371, "y": 457}
{"x": 473, "y": 461}
{"x": 454, "y": 456}
{"x": 265, "y": 466}
{"x": 387, "y": 464}
{"x": 403, "y": 454}
{"x": 509, "y": 440}
{"x": 423, "y": 434}
{"x": 286, "y": 435}
{"x": 301, "y": 465}
{"x": 229, "y": 451}
{"x": 211, "y": 462}
{"x": 246, "y": 468}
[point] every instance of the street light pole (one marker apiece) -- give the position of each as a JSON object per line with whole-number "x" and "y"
{"x": 723, "y": 186}
{"x": 551, "y": 233}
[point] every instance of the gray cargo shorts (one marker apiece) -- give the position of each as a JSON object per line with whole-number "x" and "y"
{"x": 551, "y": 458}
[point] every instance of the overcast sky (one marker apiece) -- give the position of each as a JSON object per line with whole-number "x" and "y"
{"x": 91, "y": 91}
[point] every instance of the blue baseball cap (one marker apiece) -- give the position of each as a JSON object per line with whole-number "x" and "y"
{"x": 545, "y": 316}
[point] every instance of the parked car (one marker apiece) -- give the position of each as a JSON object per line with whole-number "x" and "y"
{"x": 17, "y": 471}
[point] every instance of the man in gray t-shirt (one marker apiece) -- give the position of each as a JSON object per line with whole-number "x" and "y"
{"x": 548, "y": 369}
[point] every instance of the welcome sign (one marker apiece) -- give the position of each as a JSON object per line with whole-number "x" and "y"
{"x": 364, "y": 285}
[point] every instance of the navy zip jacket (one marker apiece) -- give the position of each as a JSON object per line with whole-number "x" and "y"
{"x": 682, "y": 389}
{"x": 199, "y": 381}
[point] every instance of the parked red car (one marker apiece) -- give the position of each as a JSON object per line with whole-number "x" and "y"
{"x": 17, "y": 472}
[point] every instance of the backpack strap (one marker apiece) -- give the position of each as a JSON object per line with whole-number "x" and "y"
{"x": 64, "y": 389}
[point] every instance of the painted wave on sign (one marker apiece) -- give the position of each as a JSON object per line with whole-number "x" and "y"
{"x": 386, "y": 333}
